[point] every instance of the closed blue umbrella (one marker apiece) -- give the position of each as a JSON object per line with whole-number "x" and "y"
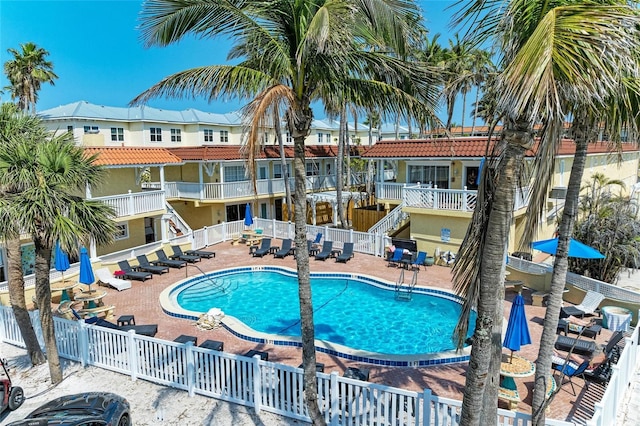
{"x": 86, "y": 271}
{"x": 248, "y": 219}
{"x": 61, "y": 263}
{"x": 576, "y": 248}
{"x": 517, "y": 328}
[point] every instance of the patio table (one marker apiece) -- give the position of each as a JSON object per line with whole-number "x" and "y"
{"x": 616, "y": 318}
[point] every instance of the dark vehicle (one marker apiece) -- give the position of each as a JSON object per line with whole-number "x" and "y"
{"x": 86, "y": 409}
{"x": 11, "y": 397}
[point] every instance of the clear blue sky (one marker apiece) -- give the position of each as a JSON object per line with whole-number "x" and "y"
{"x": 99, "y": 58}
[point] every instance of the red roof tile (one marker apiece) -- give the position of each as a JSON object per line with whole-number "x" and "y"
{"x": 234, "y": 152}
{"x": 122, "y": 156}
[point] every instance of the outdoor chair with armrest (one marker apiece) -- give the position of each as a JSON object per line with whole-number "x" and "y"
{"x": 145, "y": 265}
{"x": 202, "y": 253}
{"x": 164, "y": 260}
{"x": 130, "y": 273}
{"x": 327, "y": 246}
{"x": 285, "y": 250}
{"x": 396, "y": 258}
{"x": 569, "y": 371}
{"x": 105, "y": 278}
{"x": 419, "y": 261}
{"x": 146, "y": 330}
{"x": 265, "y": 245}
{"x": 179, "y": 254}
{"x": 347, "y": 253}
{"x": 588, "y": 305}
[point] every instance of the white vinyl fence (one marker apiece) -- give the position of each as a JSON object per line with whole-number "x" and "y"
{"x": 263, "y": 385}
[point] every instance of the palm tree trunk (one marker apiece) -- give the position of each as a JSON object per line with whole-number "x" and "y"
{"x": 18, "y": 303}
{"x": 475, "y": 112}
{"x": 299, "y": 125}
{"x": 342, "y": 136}
{"x": 480, "y": 399}
{"x": 464, "y": 111}
{"x": 283, "y": 161}
{"x": 559, "y": 275}
{"x": 43, "y": 297}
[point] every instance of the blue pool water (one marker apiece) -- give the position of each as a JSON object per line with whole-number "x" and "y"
{"x": 349, "y": 312}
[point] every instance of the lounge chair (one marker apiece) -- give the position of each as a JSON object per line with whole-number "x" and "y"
{"x": 145, "y": 265}
{"x": 202, "y": 253}
{"x": 588, "y": 305}
{"x": 264, "y": 248}
{"x": 130, "y": 273}
{"x": 587, "y": 330}
{"x": 327, "y": 247}
{"x": 105, "y": 278}
{"x": 347, "y": 253}
{"x": 573, "y": 345}
{"x": 285, "y": 250}
{"x": 316, "y": 241}
{"x": 179, "y": 254}
{"x": 569, "y": 371}
{"x": 146, "y": 330}
{"x": 420, "y": 259}
{"x": 396, "y": 258}
{"x": 164, "y": 260}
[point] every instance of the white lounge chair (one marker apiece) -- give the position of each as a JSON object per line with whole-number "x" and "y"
{"x": 588, "y": 306}
{"x": 105, "y": 278}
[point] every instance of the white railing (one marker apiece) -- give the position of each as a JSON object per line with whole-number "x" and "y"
{"x": 606, "y": 410}
{"x": 440, "y": 199}
{"x": 263, "y": 385}
{"x": 390, "y": 221}
{"x": 389, "y": 190}
{"x": 178, "y": 221}
{"x": 135, "y": 203}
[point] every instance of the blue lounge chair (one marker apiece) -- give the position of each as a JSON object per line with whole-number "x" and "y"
{"x": 131, "y": 274}
{"x": 264, "y": 248}
{"x": 179, "y": 254}
{"x": 145, "y": 265}
{"x": 285, "y": 250}
{"x": 396, "y": 259}
{"x": 420, "y": 259}
{"x": 347, "y": 253}
{"x": 568, "y": 370}
{"x": 316, "y": 242}
{"x": 164, "y": 260}
{"x": 327, "y": 246}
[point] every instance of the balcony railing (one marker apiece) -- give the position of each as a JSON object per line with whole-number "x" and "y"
{"x": 135, "y": 203}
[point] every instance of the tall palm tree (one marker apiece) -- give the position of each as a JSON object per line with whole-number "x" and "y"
{"x": 16, "y": 125}
{"x": 294, "y": 53}
{"x": 53, "y": 173}
{"x": 458, "y": 76}
{"x": 482, "y": 68}
{"x": 26, "y": 72}
{"x": 545, "y": 48}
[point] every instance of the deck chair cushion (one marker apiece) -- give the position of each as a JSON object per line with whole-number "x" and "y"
{"x": 584, "y": 347}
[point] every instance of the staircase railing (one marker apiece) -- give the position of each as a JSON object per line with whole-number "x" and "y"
{"x": 177, "y": 225}
{"x": 390, "y": 221}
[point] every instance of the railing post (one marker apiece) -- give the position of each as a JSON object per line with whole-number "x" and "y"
{"x": 350, "y": 235}
{"x": 224, "y": 231}
{"x": 291, "y": 230}
{"x": 83, "y": 342}
{"x": 205, "y": 239}
{"x": 131, "y": 206}
{"x": 334, "y": 414}
{"x": 257, "y": 383}
{"x": 191, "y": 370}
{"x": 426, "y": 409}
{"x": 132, "y": 354}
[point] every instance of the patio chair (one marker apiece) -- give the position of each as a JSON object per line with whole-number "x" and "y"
{"x": 130, "y": 273}
{"x": 327, "y": 246}
{"x": 419, "y": 261}
{"x": 264, "y": 248}
{"x": 567, "y": 325}
{"x": 568, "y": 370}
{"x": 588, "y": 305}
{"x": 285, "y": 250}
{"x": 202, "y": 253}
{"x": 145, "y": 265}
{"x": 396, "y": 259}
{"x": 105, "y": 278}
{"x": 573, "y": 345}
{"x": 146, "y": 330}
{"x": 316, "y": 241}
{"x": 164, "y": 260}
{"x": 180, "y": 255}
{"x": 347, "y": 253}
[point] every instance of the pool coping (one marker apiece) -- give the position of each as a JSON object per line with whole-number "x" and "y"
{"x": 239, "y": 329}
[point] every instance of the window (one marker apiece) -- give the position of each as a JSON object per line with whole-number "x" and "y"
{"x": 91, "y": 129}
{"x": 312, "y": 169}
{"x": 277, "y": 171}
{"x": 289, "y": 139}
{"x": 208, "y": 135}
{"x": 122, "y": 231}
{"x": 70, "y": 129}
{"x": 224, "y": 136}
{"x": 117, "y": 134}
{"x": 320, "y": 137}
{"x": 176, "y": 135}
{"x": 156, "y": 134}
{"x": 234, "y": 174}
{"x": 328, "y": 137}
{"x": 436, "y": 175}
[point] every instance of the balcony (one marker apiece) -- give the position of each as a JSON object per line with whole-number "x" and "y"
{"x": 135, "y": 203}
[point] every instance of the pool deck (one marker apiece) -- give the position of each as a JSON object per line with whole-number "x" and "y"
{"x": 142, "y": 300}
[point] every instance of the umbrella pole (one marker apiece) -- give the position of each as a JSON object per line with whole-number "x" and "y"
{"x": 511, "y": 358}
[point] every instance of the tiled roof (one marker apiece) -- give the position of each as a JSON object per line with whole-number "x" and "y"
{"x": 123, "y": 156}
{"x": 233, "y": 152}
{"x": 465, "y": 147}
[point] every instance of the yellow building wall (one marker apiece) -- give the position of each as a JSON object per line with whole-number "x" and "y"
{"x": 118, "y": 181}
{"x": 426, "y": 228}
{"x": 199, "y": 216}
{"x": 136, "y": 238}
{"x": 401, "y": 175}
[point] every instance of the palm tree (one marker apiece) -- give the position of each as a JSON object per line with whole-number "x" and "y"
{"x": 293, "y": 53}
{"x": 458, "y": 76}
{"x": 545, "y": 49}
{"x": 51, "y": 171}
{"x": 16, "y": 125}
{"x": 482, "y": 68}
{"x": 26, "y": 72}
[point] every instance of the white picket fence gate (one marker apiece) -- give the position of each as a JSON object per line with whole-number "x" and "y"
{"x": 263, "y": 385}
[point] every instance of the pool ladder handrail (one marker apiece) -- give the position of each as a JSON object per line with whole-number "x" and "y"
{"x": 221, "y": 287}
{"x": 403, "y": 292}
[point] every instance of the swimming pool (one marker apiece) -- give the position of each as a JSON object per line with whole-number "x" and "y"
{"x": 351, "y": 311}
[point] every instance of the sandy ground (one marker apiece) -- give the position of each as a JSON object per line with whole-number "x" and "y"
{"x": 150, "y": 404}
